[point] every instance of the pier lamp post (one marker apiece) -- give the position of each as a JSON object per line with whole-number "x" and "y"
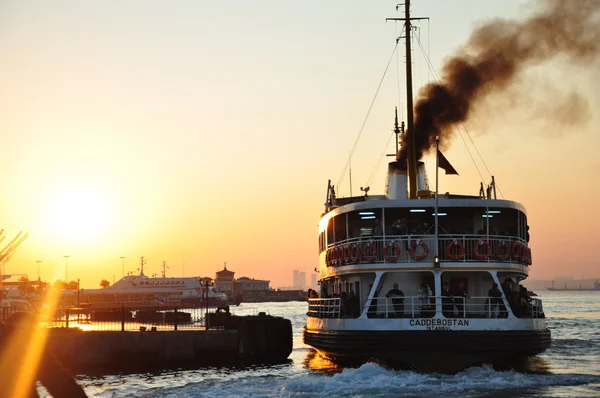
{"x": 38, "y": 264}
{"x": 206, "y": 282}
{"x": 67, "y": 268}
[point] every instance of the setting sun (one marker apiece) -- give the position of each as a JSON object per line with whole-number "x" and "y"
{"x": 78, "y": 214}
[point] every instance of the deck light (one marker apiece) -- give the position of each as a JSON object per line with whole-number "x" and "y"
{"x": 418, "y": 210}
{"x": 440, "y": 214}
{"x": 494, "y": 212}
{"x": 436, "y": 262}
{"x": 366, "y": 213}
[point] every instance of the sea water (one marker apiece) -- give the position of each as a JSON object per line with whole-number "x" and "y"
{"x": 569, "y": 368}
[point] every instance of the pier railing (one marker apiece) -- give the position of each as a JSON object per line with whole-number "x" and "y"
{"x": 425, "y": 307}
{"x": 126, "y": 319}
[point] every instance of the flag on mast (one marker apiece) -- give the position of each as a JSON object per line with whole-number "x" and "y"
{"x": 445, "y": 165}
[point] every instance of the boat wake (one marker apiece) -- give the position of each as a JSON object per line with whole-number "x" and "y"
{"x": 369, "y": 380}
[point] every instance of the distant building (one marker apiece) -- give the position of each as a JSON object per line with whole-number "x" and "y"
{"x": 251, "y": 288}
{"x": 313, "y": 281}
{"x": 225, "y": 282}
{"x": 299, "y": 279}
{"x": 244, "y": 287}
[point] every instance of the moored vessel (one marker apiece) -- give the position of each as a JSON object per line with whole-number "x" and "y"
{"x": 144, "y": 292}
{"x": 422, "y": 280}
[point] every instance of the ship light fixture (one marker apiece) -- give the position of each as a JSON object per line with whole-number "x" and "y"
{"x": 368, "y": 217}
{"x": 487, "y": 216}
{"x": 494, "y": 212}
{"x": 436, "y": 262}
{"x": 418, "y": 210}
{"x": 366, "y": 213}
{"x": 440, "y": 214}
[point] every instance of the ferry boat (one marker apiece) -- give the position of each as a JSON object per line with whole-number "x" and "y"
{"x": 420, "y": 280}
{"x": 141, "y": 292}
{"x": 596, "y": 288}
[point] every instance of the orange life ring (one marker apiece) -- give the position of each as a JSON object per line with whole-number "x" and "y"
{"x": 354, "y": 253}
{"x": 516, "y": 251}
{"x": 461, "y": 250}
{"x": 488, "y": 250}
{"x": 369, "y": 257}
{"x": 528, "y": 259}
{"x": 346, "y": 254}
{"x": 500, "y": 246}
{"x": 413, "y": 247}
{"x": 386, "y": 252}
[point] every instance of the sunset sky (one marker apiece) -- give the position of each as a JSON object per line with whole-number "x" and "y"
{"x": 203, "y": 132}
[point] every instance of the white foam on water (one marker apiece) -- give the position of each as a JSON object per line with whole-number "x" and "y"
{"x": 370, "y": 380}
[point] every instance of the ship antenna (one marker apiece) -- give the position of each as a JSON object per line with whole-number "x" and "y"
{"x": 411, "y": 152}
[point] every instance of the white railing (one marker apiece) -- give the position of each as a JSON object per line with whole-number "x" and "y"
{"x": 425, "y": 307}
{"x": 413, "y": 248}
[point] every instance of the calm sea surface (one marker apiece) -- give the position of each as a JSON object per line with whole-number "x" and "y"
{"x": 570, "y": 368}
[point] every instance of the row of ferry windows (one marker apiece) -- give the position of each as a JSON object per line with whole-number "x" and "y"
{"x": 161, "y": 283}
{"x": 404, "y": 221}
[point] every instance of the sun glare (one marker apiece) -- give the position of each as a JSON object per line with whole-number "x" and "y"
{"x": 78, "y": 215}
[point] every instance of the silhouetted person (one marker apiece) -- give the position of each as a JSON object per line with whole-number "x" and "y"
{"x": 460, "y": 296}
{"x": 397, "y": 297}
{"x": 495, "y": 300}
{"x": 17, "y": 334}
{"x": 424, "y": 296}
{"x": 447, "y": 306}
{"x": 507, "y": 290}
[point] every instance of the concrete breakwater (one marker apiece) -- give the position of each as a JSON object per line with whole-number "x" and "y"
{"x": 230, "y": 340}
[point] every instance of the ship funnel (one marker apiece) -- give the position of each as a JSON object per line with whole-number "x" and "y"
{"x": 397, "y": 181}
{"x": 423, "y": 190}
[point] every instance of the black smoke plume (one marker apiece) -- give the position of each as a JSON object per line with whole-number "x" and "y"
{"x": 495, "y": 54}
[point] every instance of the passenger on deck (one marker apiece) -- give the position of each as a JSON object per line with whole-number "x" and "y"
{"x": 354, "y": 305}
{"x": 447, "y": 307}
{"x": 397, "y": 297}
{"x": 495, "y": 301}
{"x": 460, "y": 297}
{"x": 524, "y": 302}
{"x": 424, "y": 297}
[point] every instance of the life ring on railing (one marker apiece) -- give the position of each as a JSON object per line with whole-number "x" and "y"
{"x": 345, "y": 254}
{"x": 339, "y": 255}
{"x": 501, "y": 246}
{"x": 369, "y": 252}
{"x": 461, "y": 250}
{"x": 396, "y": 250}
{"x": 478, "y": 245}
{"x": 516, "y": 251}
{"x": 413, "y": 246}
{"x": 354, "y": 253}
{"x": 529, "y": 260}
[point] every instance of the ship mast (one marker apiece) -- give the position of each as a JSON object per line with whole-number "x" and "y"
{"x": 411, "y": 162}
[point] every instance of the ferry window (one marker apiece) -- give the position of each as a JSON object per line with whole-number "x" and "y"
{"x": 502, "y": 221}
{"x": 339, "y": 225}
{"x": 330, "y": 240}
{"x": 361, "y": 223}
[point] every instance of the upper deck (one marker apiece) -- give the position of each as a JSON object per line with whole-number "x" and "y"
{"x": 471, "y": 230}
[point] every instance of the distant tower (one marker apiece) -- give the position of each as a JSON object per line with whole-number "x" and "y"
{"x": 299, "y": 279}
{"x": 313, "y": 281}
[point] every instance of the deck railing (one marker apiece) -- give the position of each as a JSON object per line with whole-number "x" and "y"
{"x": 412, "y": 248}
{"x": 425, "y": 307}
